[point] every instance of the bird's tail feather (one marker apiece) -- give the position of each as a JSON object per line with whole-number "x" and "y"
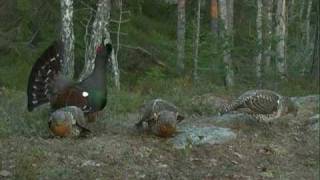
{"x": 42, "y": 76}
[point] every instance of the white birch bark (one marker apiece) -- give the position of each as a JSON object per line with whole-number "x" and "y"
{"x": 281, "y": 34}
{"x": 98, "y": 31}
{"x": 196, "y": 42}
{"x": 226, "y": 15}
{"x": 67, "y": 37}
{"x": 115, "y": 59}
{"x": 259, "y": 43}
{"x": 267, "y": 52}
{"x": 181, "y": 29}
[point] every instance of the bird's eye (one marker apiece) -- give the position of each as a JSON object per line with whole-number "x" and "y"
{"x": 85, "y": 94}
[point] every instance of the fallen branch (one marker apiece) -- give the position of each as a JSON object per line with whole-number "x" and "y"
{"x": 156, "y": 60}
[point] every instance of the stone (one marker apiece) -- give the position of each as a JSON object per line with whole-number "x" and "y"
{"x": 314, "y": 122}
{"x": 193, "y": 135}
{"x": 5, "y": 173}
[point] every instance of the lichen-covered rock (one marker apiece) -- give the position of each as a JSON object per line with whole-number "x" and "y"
{"x": 68, "y": 122}
{"x": 307, "y": 103}
{"x": 159, "y": 117}
{"x": 191, "y": 135}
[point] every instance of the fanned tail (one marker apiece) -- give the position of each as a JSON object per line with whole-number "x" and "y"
{"x": 43, "y": 73}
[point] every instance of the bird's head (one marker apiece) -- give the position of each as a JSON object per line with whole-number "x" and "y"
{"x": 104, "y": 49}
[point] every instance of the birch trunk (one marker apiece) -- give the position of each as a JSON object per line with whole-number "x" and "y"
{"x": 196, "y": 42}
{"x": 269, "y": 23}
{"x": 214, "y": 16}
{"x": 115, "y": 59}
{"x": 281, "y": 34}
{"x": 181, "y": 29}
{"x": 67, "y": 37}
{"x": 259, "y": 43}
{"x": 98, "y": 31}
{"x": 226, "y": 15}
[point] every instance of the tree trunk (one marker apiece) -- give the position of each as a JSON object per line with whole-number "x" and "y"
{"x": 67, "y": 37}
{"x": 315, "y": 66}
{"x": 259, "y": 43}
{"x": 307, "y": 22}
{"x": 302, "y": 6}
{"x": 281, "y": 34}
{"x": 214, "y": 16}
{"x": 196, "y": 42}
{"x": 181, "y": 29}
{"x": 115, "y": 61}
{"x": 226, "y": 15}
{"x": 307, "y": 42}
{"x": 269, "y": 24}
{"x": 98, "y": 30}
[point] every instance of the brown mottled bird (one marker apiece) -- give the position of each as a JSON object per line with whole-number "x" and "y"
{"x": 47, "y": 84}
{"x": 161, "y": 118}
{"x": 68, "y": 121}
{"x": 264, "y": 105}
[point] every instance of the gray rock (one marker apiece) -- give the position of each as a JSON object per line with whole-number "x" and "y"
{"x": 314, "y": 122}
{"x": 307, "y": 102}
{"x": 192, "y": 135}
{"x": 5, "y": 173}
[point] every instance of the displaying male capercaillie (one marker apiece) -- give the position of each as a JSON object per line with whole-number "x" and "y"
{"x": 160, "y": 117}
{"x": 68, "y": 121}
{"x": 263, "y": 105}
{"x": 47, "y": 83}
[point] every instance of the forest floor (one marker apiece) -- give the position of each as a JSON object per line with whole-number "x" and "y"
{"x": 286, "y": 149}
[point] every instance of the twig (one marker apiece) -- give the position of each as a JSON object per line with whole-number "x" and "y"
{"x": 87, "y": 5}
{"x": 119, "y": 22}
{"x": 121, "y": 33}
{"x": 156, "y": 60}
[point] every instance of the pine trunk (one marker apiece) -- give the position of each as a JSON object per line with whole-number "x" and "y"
{"x": 308, "y": 41}
{"x": 267, "y": 52}
{"x": 98, "y": 29}
{"x": 302, "y": 6}
{"x": 307, "y": 36}
{"x": 67, "y": 37}
{"x": 259, "y": 43}
{"x": 226, "y": 15}
{"x": 315, "y": 66}
{"x": 214, "y": 16}
{"x": 196, "y": 42}
{"x": 281, "y": 34}
{"x": 181, "y": 29}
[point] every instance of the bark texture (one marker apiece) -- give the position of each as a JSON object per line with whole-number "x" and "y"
{"x": 67, "y": 37}
{"x": 226, "y": 15}
{"x": 98, "y": 31}
{"x": 181, "y": 30}
{"x": 259, "y": 43}
{"x": 281, "y": 29}
{"x": 269, "y": 24}
{"x": 196, "y": 42}
{"x": 214, "y": 16}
